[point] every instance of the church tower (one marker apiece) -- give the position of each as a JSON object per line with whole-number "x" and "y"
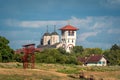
{"x": 46, "y": 38}
{"x": 68, "y": 37}
{"x": 54, "y": 37}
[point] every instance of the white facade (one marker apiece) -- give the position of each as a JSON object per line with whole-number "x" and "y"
{"x": 101, "y": 62}
{"x": 50, "y": 39}
{"x": 46, "y": 39}
{"x": 68, "y": 38}
{"x": 54, "y": 39}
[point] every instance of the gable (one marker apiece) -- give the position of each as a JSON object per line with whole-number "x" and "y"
{"x": 103, "y": 59}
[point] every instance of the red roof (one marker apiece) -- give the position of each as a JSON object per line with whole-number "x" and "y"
{"x": 69, "y": 27}
{"x": 91, "y": 59}
{"x": 94, "y": 58}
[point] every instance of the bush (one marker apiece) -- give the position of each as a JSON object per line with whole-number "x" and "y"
{"x": 54, "y": 56}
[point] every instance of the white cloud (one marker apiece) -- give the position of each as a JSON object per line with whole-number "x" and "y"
{"x": 33, "y": 24}
{"x": 114, "y": 31}
{"x": 88, "y": 44}
{"x": 89, "y": 27}
{"x": 36, "y": 24}
{"x": 115, "y": 4}
{"x": 81, "y": 22}
{"x": 99, "y": 25}
{"x": 84, "y": 23}
{"x": 84, "y": 36}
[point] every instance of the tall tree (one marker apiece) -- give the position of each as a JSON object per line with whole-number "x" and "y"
{"x": 6, "y": 52}
{"x": 115, "y": 47}
{"x": 113, "y": 55}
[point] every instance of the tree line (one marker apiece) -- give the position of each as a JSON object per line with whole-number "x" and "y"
{"x": 60, "y": 55}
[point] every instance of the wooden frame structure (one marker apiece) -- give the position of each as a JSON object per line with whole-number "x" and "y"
{"x": 28, "y": 57}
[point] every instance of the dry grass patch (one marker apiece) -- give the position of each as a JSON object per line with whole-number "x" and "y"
{"x": 30, "y": 74}
{"x": 108, "y": 75}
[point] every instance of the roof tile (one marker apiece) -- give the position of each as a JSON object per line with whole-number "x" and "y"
{"x": 69, "y": 27}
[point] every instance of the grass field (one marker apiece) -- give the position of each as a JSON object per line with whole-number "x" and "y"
{"x": 42, "y": 71}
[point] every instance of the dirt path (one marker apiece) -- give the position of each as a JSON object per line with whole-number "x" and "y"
{"x": 32, "y": 72}
{"x": 51, "y": 72}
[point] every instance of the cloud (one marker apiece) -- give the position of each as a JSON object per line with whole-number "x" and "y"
{"x": 33, "y": 24}
{"x": 99, "y": 25}
{"x": 115, "y": 4}
{"x": 88, "y": 44}
{"x": 81, "y": 22}
{"x": 114, "y": 31}
{"x": 85, "y": 23}
{"x": 84, "y": 36}
{"x": 36, "y": 24}
{"x": 93, "y": 31}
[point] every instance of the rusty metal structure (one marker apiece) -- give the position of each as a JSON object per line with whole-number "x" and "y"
{"x": 28, "y": 57}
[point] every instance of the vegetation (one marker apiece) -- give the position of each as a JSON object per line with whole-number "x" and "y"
{"x": 54, "y": 56}
{"x": 6, "y": 53}
{"x": 45, "y": 71}
{"x": 60, "y": 55}
{"x": 57, "y": 64}
{"x": 113, "y": 55}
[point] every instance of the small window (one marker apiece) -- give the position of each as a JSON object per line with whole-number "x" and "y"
{"x": 63, "y": 32}
{"x": 70, "y": 33}
{"x": 64, "y": 40}
{"x": 72, "y": 41}
{"x": 103, "y": 62}
{"x": 99, "y": 62}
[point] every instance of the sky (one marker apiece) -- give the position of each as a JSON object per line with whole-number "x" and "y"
{"x": 25, "y": 21}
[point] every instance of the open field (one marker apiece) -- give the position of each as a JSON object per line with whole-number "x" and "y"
{"x": 14, "y": 71}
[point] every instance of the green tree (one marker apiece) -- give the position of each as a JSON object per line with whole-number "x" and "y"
{"x": 17, "y": 57}
{"x": 77, "y": 49}
{"x": 0, "y": 57}
{"x": 115, "y": 47}
{"x": 89, "y": 51}
{"x": 62, "y": 50}
{"x": 54, "y": 56}
{"x": 5, "y": 50}
{"x": 113, "y": 55}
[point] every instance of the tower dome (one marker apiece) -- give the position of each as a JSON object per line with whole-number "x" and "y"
{"x": 54, "y": 33}
{"x": 46, "y": 34}
{"x": 46, "y": 38}
{"x": 54, "y": 37}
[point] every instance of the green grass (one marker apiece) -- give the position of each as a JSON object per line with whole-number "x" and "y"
{"x": 26, "y": 77}
{"x": 104, "y": 68}
{"x": 69, "y": 69}
{"x": 12, "y": 77}
{"x": 11, "y": 65}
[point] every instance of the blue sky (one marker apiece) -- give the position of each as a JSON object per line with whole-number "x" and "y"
{"x": 25, "y": 21}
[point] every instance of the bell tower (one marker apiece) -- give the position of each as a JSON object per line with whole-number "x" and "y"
{"x": 68, "y": 37}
